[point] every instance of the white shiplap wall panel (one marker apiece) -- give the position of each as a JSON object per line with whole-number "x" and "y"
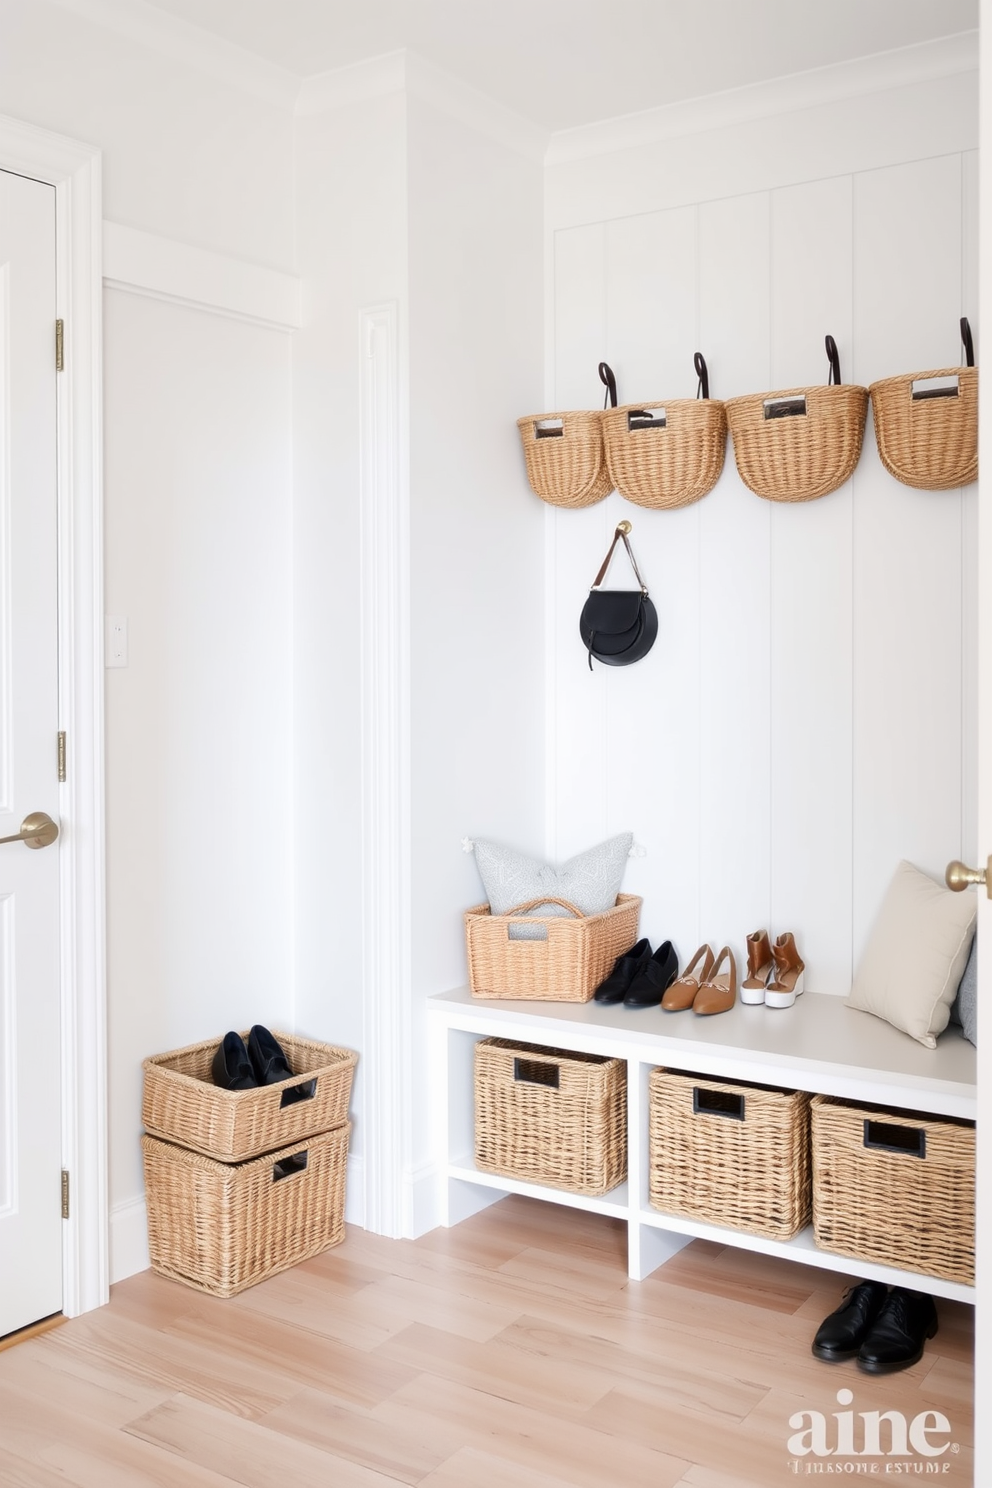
{"x": 969, "y": 538}
{"x": 733, "y": 589}
{"x": 807, "y": 715}
{"x": 577, "y": 714}
{"x": 810, "y": 616}
{"x": 653, "y": 708}
{"x": 907, "y": 543}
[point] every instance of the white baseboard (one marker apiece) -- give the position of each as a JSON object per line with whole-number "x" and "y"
{"x": 128, "y": 1239}
{"x": 421, "y": 1204}
{"x": 354, "y": 1199}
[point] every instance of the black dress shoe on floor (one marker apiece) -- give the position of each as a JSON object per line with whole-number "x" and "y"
{"x": 232, "y": 1068}
{"x": 841, "y": 1334}
{"x": 625, "y": 968}
{"x": 650, "y": 984}
{"x": 899, "y": 1332}
{"x": 268, "y": 1057}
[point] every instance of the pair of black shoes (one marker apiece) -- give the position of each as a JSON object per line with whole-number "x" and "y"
{"x": 885, "y": 1329}
{"x": 640, "y": 979}
{"x": 241, "y": 1066}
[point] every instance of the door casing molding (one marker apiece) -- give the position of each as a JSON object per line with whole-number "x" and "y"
{"x": 74, "y": 170}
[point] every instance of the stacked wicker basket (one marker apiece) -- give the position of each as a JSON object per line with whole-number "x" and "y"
{"x": 241, "y": 1184}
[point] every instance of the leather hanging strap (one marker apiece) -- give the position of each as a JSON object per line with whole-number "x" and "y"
{"x": 620, "y": 533}
{"x": 699, "y": 362}
{"x": 610, "y": 383}
{"x": 834, "y": 359}
{"x": 967, "y": 342}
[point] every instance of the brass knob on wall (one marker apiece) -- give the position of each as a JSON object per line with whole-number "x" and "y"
{"x": 958, "y": 876}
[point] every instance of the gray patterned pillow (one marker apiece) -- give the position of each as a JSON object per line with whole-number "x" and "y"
{"x": 964, "y": 1007}
{"x": 591, "y": 881}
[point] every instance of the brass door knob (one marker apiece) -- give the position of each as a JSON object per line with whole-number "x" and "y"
{"x": 37, "y": 830}
{"x": 958, "y": 876}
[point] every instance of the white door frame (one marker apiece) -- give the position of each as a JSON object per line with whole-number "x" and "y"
{"x": 74, "y": 170}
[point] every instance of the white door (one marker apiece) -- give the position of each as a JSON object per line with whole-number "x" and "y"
{"x": 30, "y": 1082}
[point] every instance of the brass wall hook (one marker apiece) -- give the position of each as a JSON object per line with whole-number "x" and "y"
{"x": 624, "y": 527}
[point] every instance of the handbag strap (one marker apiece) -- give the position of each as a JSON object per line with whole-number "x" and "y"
{"x": 610, "y": 383}
{"x": 967, "y": 342}
{"x": 699, "y": 362}
{"x": 833, "y": 356}
{"x": 622, "y": 529}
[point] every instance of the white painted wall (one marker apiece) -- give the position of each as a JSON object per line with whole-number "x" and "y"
{"x": 198, "y": 550}
{"x": 476, "y": 535}
{"x": 807, "y": 716}
{"x": 352, "y": 253}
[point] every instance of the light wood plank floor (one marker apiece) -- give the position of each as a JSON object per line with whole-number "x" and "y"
{"x": 510, "y": 1352}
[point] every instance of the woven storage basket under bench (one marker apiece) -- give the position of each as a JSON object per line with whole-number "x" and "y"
{"x": 550, "y": 1116}
{"x": 894, "y": 1186}
{"x": 735, "y": 1154}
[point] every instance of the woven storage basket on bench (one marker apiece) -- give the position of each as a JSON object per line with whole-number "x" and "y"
{"x": 894, "y": 1186}
{"x": 182, "y": 1104}
{"x": 928, "y": 436}
{"x": 666, "y": 455}
{"x": 566, "y": 459}
{"x": 222, "y": 1227}
{"x": 566, "y": 967}
{"x": 550, "y": 1116}
{"x": 802, "y": 443}
{"x": 735, "y": 1154}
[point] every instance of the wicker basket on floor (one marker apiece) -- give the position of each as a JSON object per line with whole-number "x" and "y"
{"x": 550, "y": 1116}
{"x": 928, "y": 436}
{"x": 181, "y": 1103}
{"x": 666, "y": 455}
{"x": 734, "y": 1154}
{"x": 895, "y": 1187}
{"x": 568, "y": 966}
{"x": 222, "y": 1227}
{"x": 802, "y": 443}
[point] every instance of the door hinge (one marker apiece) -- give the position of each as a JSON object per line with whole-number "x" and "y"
{"x": 61, "y": 756}
{"x": 59, "y": 345}
{"x": 65, "y": 1194}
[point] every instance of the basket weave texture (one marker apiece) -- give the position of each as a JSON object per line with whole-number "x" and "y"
{"x": 930, "y": 443}
{"x": 917, "y": 1213}
{"x": 573, "y": 1136}
{"x": 749, "y": 1174}
{"x": 668, "y": 465}
{"x": 222, "y": 1227}
{"x": 799, "y": 458}
{"x": 569, "y": 470}
{"x": 566, "y": 967}
{"x": 181, "y": 1103}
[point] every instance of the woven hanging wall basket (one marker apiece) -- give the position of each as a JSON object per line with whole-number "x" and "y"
{"x": 802, "y": 443}
{"x": 926, "y": 424}
{"x": 566, "y": 459}
{"x": 665, "y": 455}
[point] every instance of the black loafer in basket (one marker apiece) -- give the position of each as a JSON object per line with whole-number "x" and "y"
{"x": 232, "y": 1068}
{"x": 268, "y": 1057}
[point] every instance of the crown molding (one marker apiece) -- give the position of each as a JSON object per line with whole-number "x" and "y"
{"x": 802, "y": 90}
{"x": 344, "y": 86}
{"x": 180, "y": 40}
{"x": 145, "y": 263}
{"x": 406, "y": 71}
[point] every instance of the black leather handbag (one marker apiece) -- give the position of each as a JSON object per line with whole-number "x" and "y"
{"x": 618, "y": 626}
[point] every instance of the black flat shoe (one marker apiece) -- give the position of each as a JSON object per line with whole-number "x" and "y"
{"x": 899, "y": 1332}
{"x": 268, "y": 1057}
{"x": 625, "y": 968}
{"x": 232, "y": 1068}
{"x": 648, "y": 987}
{"x": 841, "y": 1334}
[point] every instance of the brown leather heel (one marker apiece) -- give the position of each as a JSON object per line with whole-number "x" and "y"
{"x": 718, "y": 992}
{"x": 683, "y": 991}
